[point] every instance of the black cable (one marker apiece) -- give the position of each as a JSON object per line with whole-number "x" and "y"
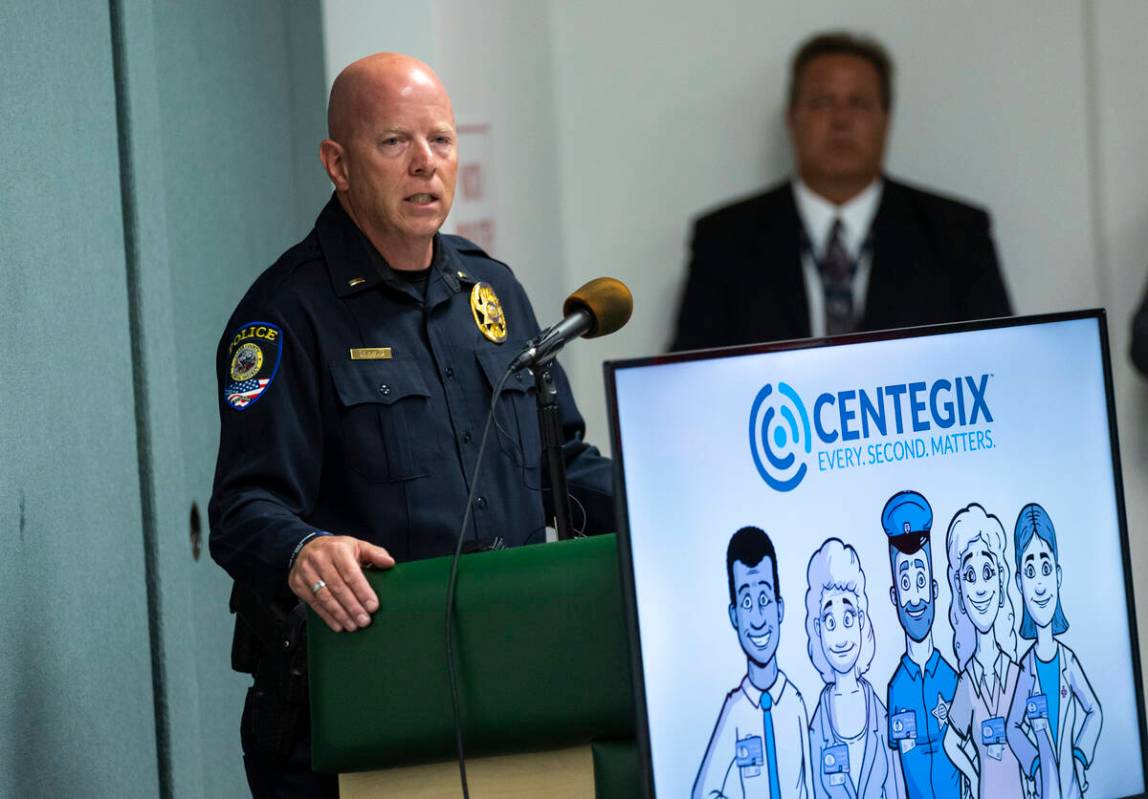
{"x": 451, "y": 676}
{"x": 579, "y": 529}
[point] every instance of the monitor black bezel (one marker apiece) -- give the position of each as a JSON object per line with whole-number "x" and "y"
{"x": 625, "y": 563}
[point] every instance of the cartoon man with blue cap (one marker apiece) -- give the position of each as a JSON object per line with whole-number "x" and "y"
{"x": 924, "y": 683}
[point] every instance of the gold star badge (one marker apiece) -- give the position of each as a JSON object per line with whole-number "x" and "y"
{"x": 487, "y": 311}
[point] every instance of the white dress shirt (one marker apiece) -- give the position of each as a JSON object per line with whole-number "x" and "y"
{"x": 817, "y": 216}
{"x": 741, "y": 717}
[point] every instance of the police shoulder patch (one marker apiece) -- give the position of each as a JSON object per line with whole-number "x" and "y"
{"x": 253, "y": 356}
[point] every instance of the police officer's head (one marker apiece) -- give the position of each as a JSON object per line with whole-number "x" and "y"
{"x": 755, "y": 605}
{"x": 391, "y": 153}
{"x": 840, "y": 98}
{"x": 908, "y": 521}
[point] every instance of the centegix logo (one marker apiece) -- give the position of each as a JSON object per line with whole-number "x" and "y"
{"x": 892, "y": 423}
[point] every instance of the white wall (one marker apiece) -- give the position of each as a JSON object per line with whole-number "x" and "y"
{"x": 355, "y": 28}
{"x": 616, "y": 122}
{"x": 1120, "y": 175}
{"x": 494, "y": 58}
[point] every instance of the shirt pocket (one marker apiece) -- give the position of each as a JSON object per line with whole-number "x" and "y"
{"x": 383, "y": 406}
{"x": 517, "y": 412}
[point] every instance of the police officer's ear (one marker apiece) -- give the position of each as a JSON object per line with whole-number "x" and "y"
{"x": 733, "y": 615}
{"x": 332, "y": 154}
{"x": 780, "y": 609}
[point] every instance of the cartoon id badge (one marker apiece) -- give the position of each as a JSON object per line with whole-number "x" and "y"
{"x": 993, "y": 736}
{"x": 1036, "y": 711}
{"x": 749, "y": 755}
{"x": 835, "y": 764}
{"x": 904, "y": 730}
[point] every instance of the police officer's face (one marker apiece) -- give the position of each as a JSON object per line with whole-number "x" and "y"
{"x": 757, "y": 612}
{"x": 401, "y": 160}
{"x": 914, "y": 591}
{"x": 837, "y": 122}
{"x": 1039, "y": 581}
{"x": 980, "y": 585}
{"x": 839, "y": 627}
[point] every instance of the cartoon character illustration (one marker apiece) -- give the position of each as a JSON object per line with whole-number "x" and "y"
{"x": 1055, "y": 719}
{"x": 761, "y": 740}
{"x": 848, "y": 745}
{"x": 985, "y": 645}
{"x": 922, "y": 688}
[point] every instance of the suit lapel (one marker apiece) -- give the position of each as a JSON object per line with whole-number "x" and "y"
{"x": 868, "y": 758}
{"x": 828, "y": 739}
{"x": 1066, "y": 698}
{"x": 894, "y": 266}
{"x": 779, "y": 253}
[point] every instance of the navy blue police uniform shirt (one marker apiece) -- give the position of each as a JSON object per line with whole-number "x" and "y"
{"x": 381, "y": 446}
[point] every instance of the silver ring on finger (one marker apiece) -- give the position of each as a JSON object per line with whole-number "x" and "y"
{"x": 318, "y": 586}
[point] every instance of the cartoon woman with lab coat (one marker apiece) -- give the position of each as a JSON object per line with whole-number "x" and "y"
{"x": 1055, "y": 719}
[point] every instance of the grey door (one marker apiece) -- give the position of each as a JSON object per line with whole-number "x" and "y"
{"x": 157, "y": 156}
{"x": 76, "y": 711}
{"x": 240, "y": 108}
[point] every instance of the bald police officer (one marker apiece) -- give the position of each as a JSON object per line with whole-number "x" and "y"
{"x": 355, "y": 377}
{"x": 923, "y": 685}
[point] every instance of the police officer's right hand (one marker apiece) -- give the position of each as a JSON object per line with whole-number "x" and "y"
{"x": 345, "y": 600}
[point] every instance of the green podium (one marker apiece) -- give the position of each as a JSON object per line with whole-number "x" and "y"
{"x": 542, "y": 661}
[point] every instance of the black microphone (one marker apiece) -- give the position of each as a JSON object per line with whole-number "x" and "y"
{"x": 597, "y": 309}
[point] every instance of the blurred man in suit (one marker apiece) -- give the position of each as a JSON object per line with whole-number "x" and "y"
{"x": 840, "y": 247}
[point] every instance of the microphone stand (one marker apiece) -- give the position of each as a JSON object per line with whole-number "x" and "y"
{"x": 550, "y": 425}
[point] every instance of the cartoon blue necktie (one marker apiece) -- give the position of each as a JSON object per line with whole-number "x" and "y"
{"x": 770, "y": 748}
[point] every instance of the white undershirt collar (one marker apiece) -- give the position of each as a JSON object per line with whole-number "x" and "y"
{"x": 817, "y": 215}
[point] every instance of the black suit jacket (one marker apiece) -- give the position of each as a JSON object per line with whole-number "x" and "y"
{"x": 933, "y": 261}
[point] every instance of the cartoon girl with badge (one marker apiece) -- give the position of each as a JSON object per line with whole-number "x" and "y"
{"x": 847, "y": 737}
{"x": 981, "y": 615}
{"x": 1055, "y": 719}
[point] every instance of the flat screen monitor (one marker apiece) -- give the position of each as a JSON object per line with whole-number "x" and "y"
{"x": 889, "y": 564}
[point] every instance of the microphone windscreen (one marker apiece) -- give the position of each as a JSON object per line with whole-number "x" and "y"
{"x": 607, "y": 300}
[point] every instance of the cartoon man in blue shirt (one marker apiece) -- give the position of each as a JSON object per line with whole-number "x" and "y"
{"x": 760, "y": 743}
{"x": 924, "y": 683}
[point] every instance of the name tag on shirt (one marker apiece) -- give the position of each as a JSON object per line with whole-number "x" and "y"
{"x": 749, "y": 755}
{"x": 370, "y": 353}
{"x": 904, "y": 730}
{"x": 835, "y": 764}
{"x": 993, "y": 736}
{"x": 1036, "y": 711}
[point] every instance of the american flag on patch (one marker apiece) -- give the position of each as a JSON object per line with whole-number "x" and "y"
{"x": 240, "y": 395}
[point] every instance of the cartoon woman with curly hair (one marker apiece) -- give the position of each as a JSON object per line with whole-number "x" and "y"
{"x": 982, "y": 616}
{"x": 850, "y": 751}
